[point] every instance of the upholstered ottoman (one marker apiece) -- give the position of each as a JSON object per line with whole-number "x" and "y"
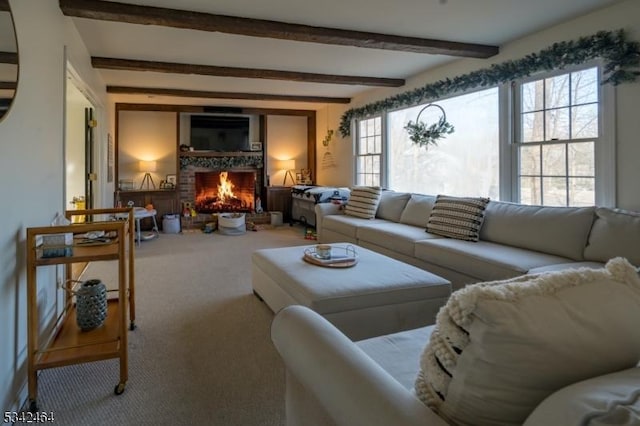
{"x": 377, "y": 296}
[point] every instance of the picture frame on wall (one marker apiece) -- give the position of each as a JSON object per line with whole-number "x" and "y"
{"x": 256, "y": 146}
{"x": 299, "y": 180}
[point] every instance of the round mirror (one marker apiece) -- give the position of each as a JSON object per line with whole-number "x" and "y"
{"x": 8, "y": 58}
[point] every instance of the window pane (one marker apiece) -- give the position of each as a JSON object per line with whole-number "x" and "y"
{"x": 582, "y": 191}
{"x": 584, "y": 121}
{"x": 584, "y": 86}
{"x": 557, "y": 91}
{"x": 368, "y": 165}
{"x": 370, "y": 127}
{"x": 554, "y": 160}
{"x": 362, "y": 146}
{"x": 532, "y": 96}
{"x": 530, "y": 190}
{"x": 557, "y": 124}
{"x": 378, "y": 144}
{"x": 532, "y": 127}
{"x": 375, "y": 163}
{"x": 464, "y": 163}
{"x": 582, "y": 159}
{"x": 530, "y": 160}
{"x": 554, "y": 191}
{"x": 371, "y": 147}
{"x": 363, "y": 128}
{"x": 360, "y": 164}
{"x": 377, "y": 124}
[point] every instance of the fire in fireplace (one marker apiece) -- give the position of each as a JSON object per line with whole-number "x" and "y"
{"x": 227, "y": 191}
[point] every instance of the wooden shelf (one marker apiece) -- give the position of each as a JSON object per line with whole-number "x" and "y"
{"x": 81, "y": 254}
{"x": 72, "y": 345}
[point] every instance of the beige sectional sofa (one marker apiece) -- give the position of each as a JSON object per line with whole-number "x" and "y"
{"x": 515, "y": 239}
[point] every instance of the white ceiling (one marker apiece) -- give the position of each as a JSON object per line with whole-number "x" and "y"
{"x": 493, "y": 22}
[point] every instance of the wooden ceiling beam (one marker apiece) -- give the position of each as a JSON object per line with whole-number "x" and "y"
{"x": 8, "y": 58}
{"x": 177, "y": 68}
{"x": 224, "y": 95}
{"x": 148, "y": 15}
{"x": 8, "y": 85}
{"x": 4, "y": 6}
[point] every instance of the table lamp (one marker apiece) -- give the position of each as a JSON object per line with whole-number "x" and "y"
{"x": 147, "y": 167}
{"x": 287, "y": 165}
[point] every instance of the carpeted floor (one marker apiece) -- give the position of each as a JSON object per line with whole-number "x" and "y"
{"x": 201, "y": 353}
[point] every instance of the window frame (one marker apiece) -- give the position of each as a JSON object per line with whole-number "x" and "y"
{"x": 604, "y": 143}
{"x": 382, "y": 154}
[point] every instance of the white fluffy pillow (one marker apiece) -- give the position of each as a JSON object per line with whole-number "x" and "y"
{"x": 500, "y": 348}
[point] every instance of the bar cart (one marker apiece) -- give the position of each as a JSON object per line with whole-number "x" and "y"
{"x": 69, "y": 344}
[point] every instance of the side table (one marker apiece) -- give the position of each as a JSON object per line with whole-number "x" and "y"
{"x": 140, "y": 213}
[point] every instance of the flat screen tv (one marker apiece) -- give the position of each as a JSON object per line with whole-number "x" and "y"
{"x": 224, "y": 133}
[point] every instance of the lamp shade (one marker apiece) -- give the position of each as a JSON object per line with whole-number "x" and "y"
{"x": 148, "y": 166}
{"x": 286, "y": 164}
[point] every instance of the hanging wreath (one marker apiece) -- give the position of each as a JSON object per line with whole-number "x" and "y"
{"x": 425, "y": 135}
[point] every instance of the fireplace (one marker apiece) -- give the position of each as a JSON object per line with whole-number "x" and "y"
{"x": 225, "y": 191}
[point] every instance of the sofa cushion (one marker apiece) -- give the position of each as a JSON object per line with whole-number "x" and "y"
{"x": 457, "y": 217}
{"x": 397, "y": 237}
{"x": 563, "y": 266}
{"x": 418, "y": 209}
{"x": 611, "y": 399}
{"x": 562, "y": 231}
{"x": 391, "y": 205}
{"x": 363, "y": 202}
{"x": 346, "y": 225}
{"x": 500, "y": 348}
{"x": 614, "y": 233}
{"x": 398, "y": 353}
{"x": 483, "y": 260}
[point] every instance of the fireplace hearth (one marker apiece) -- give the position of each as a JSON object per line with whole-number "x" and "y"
{"x": 225, "y": 191}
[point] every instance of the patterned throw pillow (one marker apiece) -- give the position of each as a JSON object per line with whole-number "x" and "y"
{"x": 456, "y": 217}
{"x": 363, "y": 201}
{"x": 500, "y": 348}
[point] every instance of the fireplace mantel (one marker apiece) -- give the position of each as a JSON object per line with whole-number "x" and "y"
{"x": 221, "y": 160}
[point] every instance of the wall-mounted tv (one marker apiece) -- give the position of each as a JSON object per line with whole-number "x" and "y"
{"x": 220, "y": 133}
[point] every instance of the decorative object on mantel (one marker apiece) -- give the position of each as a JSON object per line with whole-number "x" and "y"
{"x": 621, "y": 65}
{"x": 222, "y": 163}
{"x": 424, "y": 135}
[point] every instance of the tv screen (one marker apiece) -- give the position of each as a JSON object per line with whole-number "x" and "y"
{"x": 220, "y": 133}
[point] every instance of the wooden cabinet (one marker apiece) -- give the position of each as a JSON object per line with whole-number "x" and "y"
{"x": 279, "y": 199}
{"x": 69, "y": 344}
{"x": 164, "y": 201}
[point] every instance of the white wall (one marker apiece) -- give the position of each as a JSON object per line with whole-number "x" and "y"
{"x": 32, "y": 168}
{"x": 286, "y": 140}
{"x": 147, "y": 136}
{"x": 623, "y": 15}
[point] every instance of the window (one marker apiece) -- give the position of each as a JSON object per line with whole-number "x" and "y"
{"x": 464, "y": 163}
{"x": 558, "y": 129}
{"x": 369, "y": 152}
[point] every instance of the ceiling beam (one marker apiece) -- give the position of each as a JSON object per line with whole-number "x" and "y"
{"x": 147, "y": 15}
{"x": 8, "y": 85}
{"x": 224, "y": 95}
{"x": 8, "y": 58}
{"x": 4, "y": 6}
{"x": 176, "y": 68}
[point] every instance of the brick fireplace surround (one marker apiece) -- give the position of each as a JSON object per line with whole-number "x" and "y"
{"x": 194, "y": 162}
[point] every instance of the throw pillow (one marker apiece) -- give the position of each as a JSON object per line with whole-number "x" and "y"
{"x": 456, "y": 217}
{"x": 614, "y": 233}
{"x": 363, "y": 202}
{"x": 500, "y": 348}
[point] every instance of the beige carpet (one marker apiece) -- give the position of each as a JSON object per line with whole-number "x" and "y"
{"x": 201, "y": 353}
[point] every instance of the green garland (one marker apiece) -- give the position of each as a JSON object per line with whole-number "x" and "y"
{"x": 621, "y": 63}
